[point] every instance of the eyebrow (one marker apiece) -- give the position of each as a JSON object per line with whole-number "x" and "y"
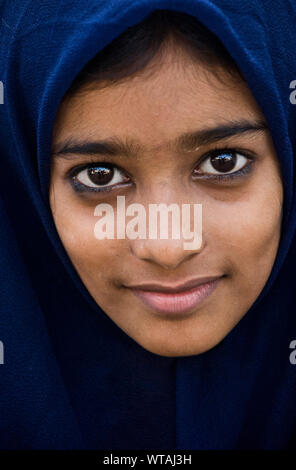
{"x": 186, "y": 142}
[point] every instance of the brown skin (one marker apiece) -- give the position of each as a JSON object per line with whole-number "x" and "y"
{"x": 241, "y": 216}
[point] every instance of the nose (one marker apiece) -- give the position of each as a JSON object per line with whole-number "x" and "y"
{"x": 174, "y": 233}
{"x": 169, "y": 254}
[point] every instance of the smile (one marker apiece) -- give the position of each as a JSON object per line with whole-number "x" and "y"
{"x": 175, "y": 300}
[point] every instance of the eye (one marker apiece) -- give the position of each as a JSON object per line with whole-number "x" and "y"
{"x": 98, "y": 175}
{"x": 222, "y": 162}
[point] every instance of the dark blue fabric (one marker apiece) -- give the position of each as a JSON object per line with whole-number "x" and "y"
{"x": 71, "y": 378}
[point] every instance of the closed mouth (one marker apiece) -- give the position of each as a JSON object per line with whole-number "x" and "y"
{"x": 179, "y": 298}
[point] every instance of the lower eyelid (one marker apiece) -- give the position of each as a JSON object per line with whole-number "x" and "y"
{"x": 243, "y": 171}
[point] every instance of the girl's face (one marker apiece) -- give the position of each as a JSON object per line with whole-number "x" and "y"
{"x": 178, "y": 135}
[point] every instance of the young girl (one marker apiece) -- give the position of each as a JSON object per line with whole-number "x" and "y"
{"x": 134, "y": 341}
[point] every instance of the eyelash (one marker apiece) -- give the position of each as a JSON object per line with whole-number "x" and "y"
{"x": 247, "y": 168}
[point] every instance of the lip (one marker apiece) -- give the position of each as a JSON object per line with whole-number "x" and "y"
{"x": 176, "y": 299}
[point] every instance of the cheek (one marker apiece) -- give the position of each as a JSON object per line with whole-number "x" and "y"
{"x": 245, "y": 231}
{"x": 75, "y": 225}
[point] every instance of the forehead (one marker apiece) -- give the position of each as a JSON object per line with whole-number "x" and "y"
{"x": 167, "y": 98}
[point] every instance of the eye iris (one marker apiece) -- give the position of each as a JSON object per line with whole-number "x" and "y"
{"x": 224, "y": 162}
{"x": 100, "y": 174}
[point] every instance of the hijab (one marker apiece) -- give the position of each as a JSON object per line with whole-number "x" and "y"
{"x": 71, "y": 378}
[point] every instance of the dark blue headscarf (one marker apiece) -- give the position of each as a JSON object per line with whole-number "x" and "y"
{"x": 72, "y": 378}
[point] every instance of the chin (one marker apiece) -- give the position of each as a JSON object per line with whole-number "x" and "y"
{"x": 170, "y": 349}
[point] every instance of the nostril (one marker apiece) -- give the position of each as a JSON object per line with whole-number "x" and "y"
{"x": 169, "y": 254}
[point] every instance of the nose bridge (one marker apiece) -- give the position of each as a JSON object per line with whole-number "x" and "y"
{"x": 163, "y": 190}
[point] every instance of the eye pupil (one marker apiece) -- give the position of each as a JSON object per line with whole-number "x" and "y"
{"x": 224, "y": 162}
{"x": 100, "y": 174}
